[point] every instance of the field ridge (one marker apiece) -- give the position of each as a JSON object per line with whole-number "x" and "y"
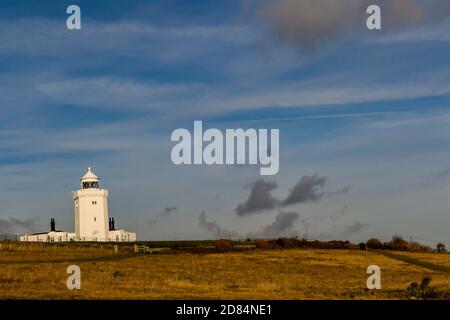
{"x": 427, "y": 265}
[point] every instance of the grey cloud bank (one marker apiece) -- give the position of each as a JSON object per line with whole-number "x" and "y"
{"x": 214, "y": 228}
{"x": 260, "y": 198}
{"x": 307, "y": 189}
{"x": 14, "y": 225}
{"x": 282, "y": 226}
{"x": 355, "y": 227}
{"x": 284, "y": 222}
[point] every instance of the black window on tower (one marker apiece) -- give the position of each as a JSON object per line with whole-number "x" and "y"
{"x": 90, "y": 185}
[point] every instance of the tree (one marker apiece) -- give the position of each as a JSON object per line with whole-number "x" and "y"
{"x": 440, "y": 247}
{"x": 398, "y": 243}
{"x": 374, "y": 244}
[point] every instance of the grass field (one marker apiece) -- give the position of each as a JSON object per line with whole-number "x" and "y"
{"x": 39, "y": 272}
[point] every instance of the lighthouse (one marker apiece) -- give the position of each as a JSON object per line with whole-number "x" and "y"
{"x": 91, "y": 209}
{"x": 92, "y": 221}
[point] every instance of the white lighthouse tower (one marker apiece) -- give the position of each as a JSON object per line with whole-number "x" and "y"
{"x": 92, "y": 221}
{"x": 91, "y": 210}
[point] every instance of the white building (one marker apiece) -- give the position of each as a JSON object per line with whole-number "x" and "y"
{"x": 92, "y": 222}
{"x": 52, "y": 236}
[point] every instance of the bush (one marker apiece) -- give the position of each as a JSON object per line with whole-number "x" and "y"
{"x": 287, "y": 242}
{"x": 417, "y": 247}
{"x": 223, "y": 244}
{"x": 351, "y": 246}
{"x": 422, "y": 291}
{"x": 374, "y": 244}
{"x": 440, "y": 247}
{"x": 262, "y": 244}
{"x": 397, "y": 243}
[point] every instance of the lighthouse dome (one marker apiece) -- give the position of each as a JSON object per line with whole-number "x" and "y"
{"x": 89, "y": 180}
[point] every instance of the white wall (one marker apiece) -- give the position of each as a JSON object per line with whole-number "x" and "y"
{"x": 122, "y": 235}
{"x": 91, "y": 214}
{"x": 53, "y": 236}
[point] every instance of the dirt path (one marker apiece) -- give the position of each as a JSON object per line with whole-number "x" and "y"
{"x": 416, "y": 262}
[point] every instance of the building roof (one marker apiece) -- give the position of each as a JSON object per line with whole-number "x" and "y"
{"x": 40, "y": 233}
{"x": 89, "y": 175}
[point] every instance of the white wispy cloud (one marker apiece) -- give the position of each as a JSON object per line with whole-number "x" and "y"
{"x": 243, "y": 87}
{"x": 184, "y": 99}
{"x": 46, "y": 37}
{"x": 437, "y": 32}
{"x": 107, "y": 92}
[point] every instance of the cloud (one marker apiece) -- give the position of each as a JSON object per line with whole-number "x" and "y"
{"x": 209, "y": 226}
{"x": 114, "y": 93}
{"x": 319, "y": 222}
{"x": 47, "y": 37}
{"x": 169, "y": 210}
{"x": 213, "y": 227}
{"x": 307, "y": 189}
{"x": 166, "y": 212}
{"x": 343, "y": 190}
{"x": 437, "y": 178}
{"x": 436, "y": 32}
{"x": 142, "y": 44}
{"x": 324, "y": 92}
{"x": 340, "y": 214}
{"x": 307, "y": 23}
{"x": 13, "y": 225}
{"x": 442, "y": 174}
{"x": 284, "y": 221}
{"x": 306, "y": 223}
{"x": 355, "y": 227}
{"x": 260, "y": 198}
{"x": 432, "y": 180}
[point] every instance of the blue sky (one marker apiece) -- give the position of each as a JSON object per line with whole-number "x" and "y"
{"x": 369, "y": 110}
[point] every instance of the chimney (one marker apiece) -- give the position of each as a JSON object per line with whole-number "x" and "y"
{"x": 112, "y": 224}
{"x": 52, "y": 224}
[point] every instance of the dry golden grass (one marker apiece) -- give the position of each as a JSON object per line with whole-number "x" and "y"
{"x": 40, "y": 273}
{"x": 442, "y": 259}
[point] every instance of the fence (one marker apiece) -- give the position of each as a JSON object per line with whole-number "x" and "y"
{"x": 142, "y": 249}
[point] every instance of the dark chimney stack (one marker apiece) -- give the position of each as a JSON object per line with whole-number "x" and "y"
{"x": 111, "y": 224}
{"x": 52, "y": 224}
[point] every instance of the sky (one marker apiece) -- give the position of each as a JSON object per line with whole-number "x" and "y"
{"x": 363, "y": 116}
